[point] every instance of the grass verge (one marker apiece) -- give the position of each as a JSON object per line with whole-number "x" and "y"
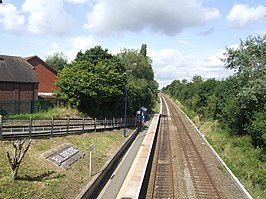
{"x": 38, "y": 178}
{"x": 57, "y": 112}
{"x": 240, "y": 156}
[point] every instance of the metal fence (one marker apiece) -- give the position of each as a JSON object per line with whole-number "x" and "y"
{"x": 13, "y": 107}
{"x": 20, "y": 128}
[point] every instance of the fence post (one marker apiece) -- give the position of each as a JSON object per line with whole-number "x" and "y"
{"x": 83, "y": 124}
{"x": 121, "y": 122}
{"x": 52, "y": 126}
{"x": 1, "y": 127}
{"x": 95, "y": 120}
{"x": 113, "y": 123}
{"x": 105, "y": 124}
{"x": 67, "y": 125}
{"x": 30, "y": 128}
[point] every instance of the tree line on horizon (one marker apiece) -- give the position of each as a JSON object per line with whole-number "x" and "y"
{"x": 238, "y": 103}
{"x": 95, "y": 81}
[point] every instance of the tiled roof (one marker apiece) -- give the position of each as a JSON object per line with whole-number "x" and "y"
{"x": 31, "y": 61}
{"x": 16, "y": 69}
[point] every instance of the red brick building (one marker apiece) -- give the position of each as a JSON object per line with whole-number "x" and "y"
{"x": 18, "y": 85}
{"x": 46, "y": 75}
{"x": 17, "y": 79}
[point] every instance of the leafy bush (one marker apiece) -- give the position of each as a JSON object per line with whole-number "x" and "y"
{"x": 258, "y": 130}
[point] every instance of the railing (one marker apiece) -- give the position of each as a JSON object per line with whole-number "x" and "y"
{"x": 19, "y": 128}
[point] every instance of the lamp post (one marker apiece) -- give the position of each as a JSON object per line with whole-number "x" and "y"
{"x": 125, "y": 115}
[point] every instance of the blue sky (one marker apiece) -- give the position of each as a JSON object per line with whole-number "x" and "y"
{"x": 184, "y": 37}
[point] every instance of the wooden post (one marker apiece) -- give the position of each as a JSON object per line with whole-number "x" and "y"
{"x": 113, "y": 123}
{"x": 95, "y": 127}
{"x": 52, "y": 126}
{"x": 1, "y": 127}
{"x": 67, "y": 125}
{"x": 105, "y": 123}
{"x": 30, "y": 128}
{"x": 83, "y": 124}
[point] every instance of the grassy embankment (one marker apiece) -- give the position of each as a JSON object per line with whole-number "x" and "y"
{"x": 237, "y": 152}
{"x": 59, "y": 112}
{"x": 38, "y": 178}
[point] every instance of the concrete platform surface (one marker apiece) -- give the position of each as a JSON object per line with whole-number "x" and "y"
{"x": 132, "y": 184}
{"x": 129, "y": 173}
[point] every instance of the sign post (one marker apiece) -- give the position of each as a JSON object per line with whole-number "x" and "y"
{"x": 91, "y": 149}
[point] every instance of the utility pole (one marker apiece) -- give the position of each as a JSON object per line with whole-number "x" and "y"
{"x": 125, "y": 116}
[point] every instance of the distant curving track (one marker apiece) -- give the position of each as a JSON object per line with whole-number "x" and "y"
{"x": 182, "y": 165}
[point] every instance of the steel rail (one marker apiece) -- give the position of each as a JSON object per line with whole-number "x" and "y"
{"x": 163, "y": 182}
{"x": 201, "y": 178}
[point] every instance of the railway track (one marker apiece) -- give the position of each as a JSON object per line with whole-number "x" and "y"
{"x": 164, "y": 182}
{"x": 203, "y": 184}
{"x": 163, "y": 178}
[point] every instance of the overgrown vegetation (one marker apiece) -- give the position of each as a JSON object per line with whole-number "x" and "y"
{"x": 239, "y": 155}
{"x": 57, "y": 112}
{"x": 95, "y": 82}
{"x": 238, "y": 105}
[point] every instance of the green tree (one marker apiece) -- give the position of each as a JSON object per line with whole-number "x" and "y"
{"x": 95, "y": 89}
{"x": 58, "y": 61}
{"x": 249, "y": 62}
{"x": 143, "y": 50}
{"x": 141, "y": 75}
{"x": 94, "y": 82}
{"x": 93, "y": 55}
{"x": 257, "y": 129}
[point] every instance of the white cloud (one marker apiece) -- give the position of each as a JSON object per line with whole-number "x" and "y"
{"x": 170, "y": 64}
{"x": 11, "y": 19}
{"x": 83, "y": 42}
{"x": 47, "y": 17}
{"x": 76, "y": 44}
{"x": 155, "y": 15}
{"x": 77, "y": 1}
{"x": 242, "y": 15}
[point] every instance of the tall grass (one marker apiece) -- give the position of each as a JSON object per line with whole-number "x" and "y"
{"x": 239, "y": 155}
{"x": 57, "y": 112}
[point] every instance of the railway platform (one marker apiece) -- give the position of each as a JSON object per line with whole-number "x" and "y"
{"x": 127, "y": 179}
